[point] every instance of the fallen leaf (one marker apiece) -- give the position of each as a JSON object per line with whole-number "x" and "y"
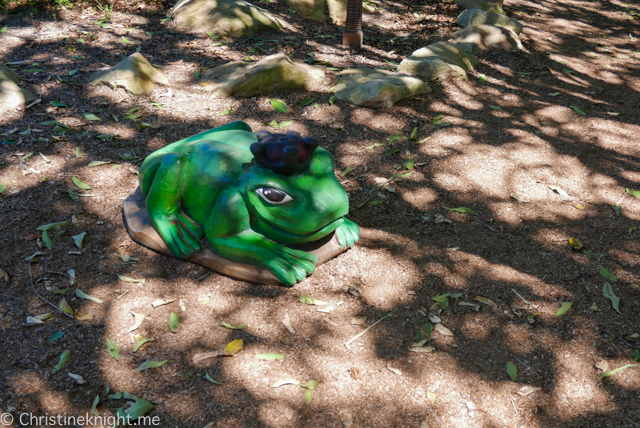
{"x": 207, "y": 377}
{"x": 57, "y": 336}
{"x": 564, "y": 308}
{"x": 595, "y": 308}
{"x": 287, "y": 323}
{"x": 141, "y": 342}
{"x": 204, "y": 356}
{"x": 330, "y": 308}
{"x": 127, "y": 279}
{"x": 471, "y": 305}
{"x": 558, "y": 190}
{"x": 483, "y": 300}
{"x": 618, "y": 370}
{"x": 52, "y": 226}
{"x": 346, "y": 172}
{"x": 79, "y": 239}
{"x": 355, "y": 373}
{"x": 431, "y": 398}
{"x": 65, "y": 307}
{"x": 161, "y": 302}
{"x": 608, "y": 275}
{"x": 281, "y": 382}
{"x": 580, "y": 207}
{"x": 346, "y": 418}
{"x": 460, "y": 210}
{"x": 64, "y": 357}
{"x": 607, "y": 291}
{"x": 91, "y": 116}
{"x": 81, "y": 294}
{"x": 138, "y": 318}
{"x": 394, "y": 370}
{"x": 113, "y": 350}
{"x": 269, "y": 357}
{"x": 519, "y": 199}
{"x": 512, "y": 371}
{"x": 174, "y": 322}
{"x": 635, "y": 193}
{"x": 422, "y": 349}
{"x": 233, "y": 347}
{"x": 358, "y": 320}
{"x": 139, "y": 408}
{"x": 578, "y": 110}
{"x": 526, "y": 390}
{"x": 279, "y": 105}
{"x": 575, "y": 244}
{"x": 150, "y": 365}
{"x": 77, "y": 378}
{"x": 603, "y": 365}
{"x": 443, "y": 330}
{"x": 306, "y": 102}
{"x": 310, "y": 300}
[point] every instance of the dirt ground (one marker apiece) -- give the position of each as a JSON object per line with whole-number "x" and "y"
{"x": 563, "y": 112}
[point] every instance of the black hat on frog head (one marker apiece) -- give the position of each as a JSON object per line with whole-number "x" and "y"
{"x": 285, "y": 154}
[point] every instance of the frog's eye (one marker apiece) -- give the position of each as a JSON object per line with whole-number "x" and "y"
{"x": 273, "y": 196}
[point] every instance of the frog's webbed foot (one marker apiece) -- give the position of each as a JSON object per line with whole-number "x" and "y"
{"x": 180, "y": 234}
{"x": 290, "y": 266}
{"x": 348, "y": 233}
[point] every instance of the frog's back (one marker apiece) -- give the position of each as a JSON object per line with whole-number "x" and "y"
{"x": 236, "y": 134}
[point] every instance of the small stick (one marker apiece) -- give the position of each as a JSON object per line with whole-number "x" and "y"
{"x": 10, "y": 296}
{"x": 365, "y": 330}
{"x": 514, "y": 407}
{"x": 435, "y": 416}
{"x": 43, "y": 299}
{"x": 523, "y": 299}
{"x": 526, "y": 366}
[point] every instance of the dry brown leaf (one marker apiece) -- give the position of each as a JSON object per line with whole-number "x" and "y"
{"x": 82, "y": 317}
{"x": 422, "y": 349}
{"x": 394, "y": 370}
{"x": 603, "y": 365}
{"x": 526, "y": 390}
{"x": 471, "y": 305}
{"x": 434, "y": 318}
{"x": 138, "y": 318}
{"x": 161, "y": 302}
{"x": 65, "y": 307}
{"x": 287, "y": 323}
{"x": 443, "y": 330}
{"x": 358, "y": 320}
{"x": 483, "y": 300}
{"x": 431, "y": 397}
{"x": 346, "y": 418}
{"x": 419, "y": 344}
{"x": 355, "y": 373}
{"x": 595, "y": 308}
{"x": 204, "y": 356}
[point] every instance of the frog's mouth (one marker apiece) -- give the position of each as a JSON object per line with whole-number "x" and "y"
{"x": 272, "y": 231}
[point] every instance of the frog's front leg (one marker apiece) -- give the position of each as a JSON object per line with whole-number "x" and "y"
{"x": 179, "y": 232}
{"x": 228, "y": 230}
{"x": 348, "y": 233}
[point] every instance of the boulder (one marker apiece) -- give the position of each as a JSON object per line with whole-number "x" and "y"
{"x": 334, "y": 11}
{"x": 478, "y": 38}
{"x": 443, "y": 60}
{"x": 488, "y": 5}
{"x": 11, "y": 95}
{"x": 376, "y": 88}
{"x": 431, "y": 68}
{"x": 134, "y": 73}
{"x": 480, "y": 17}
{"x": 275, "y": 73}
{"x": 224, "y": 17}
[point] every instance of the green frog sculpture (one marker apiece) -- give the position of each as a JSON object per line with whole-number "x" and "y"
{"x": 252, "y": 196}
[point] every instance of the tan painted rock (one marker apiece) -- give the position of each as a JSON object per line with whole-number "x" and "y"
{"x": 431, "y": 68}
{"x": 11, "y": 95}
{"x": 376, "y": 88}
{"x": 275, "y": 73}
{"x": 224, "y": 17}
{"x": 488, "y": 5}
{"x": 472, "y": 17}
{"x": 134, "y": 73}
{"x": 478, "y": 38}
{"x": 138, "y": 223}
{"x": 334, "y": 11}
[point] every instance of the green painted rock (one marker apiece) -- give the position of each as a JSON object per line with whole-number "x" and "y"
{"x": 478, "y": 38}
{"x": 275, "y": 73}
{"x": 11, "y": 95}
{"x": 224, "y": 17}
{"x": 376, "y": 88}
{"x": 134, "y": 73}
{"x": 480, "y": 17}
{"x": 334, "y": 11}
{"x": 488, "y": 5}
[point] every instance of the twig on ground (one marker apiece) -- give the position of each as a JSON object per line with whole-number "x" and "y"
{"x": 514, "y": 407}
{"x": 435, "y": 416}
{"x": 42, "y": 298}
{"x": 11, "y": 222}
{"x": 526, "y": 366}
{"x": 366, "y": 330}
{"x": 523, "y": 299}
{"x": 10, "y": 296}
